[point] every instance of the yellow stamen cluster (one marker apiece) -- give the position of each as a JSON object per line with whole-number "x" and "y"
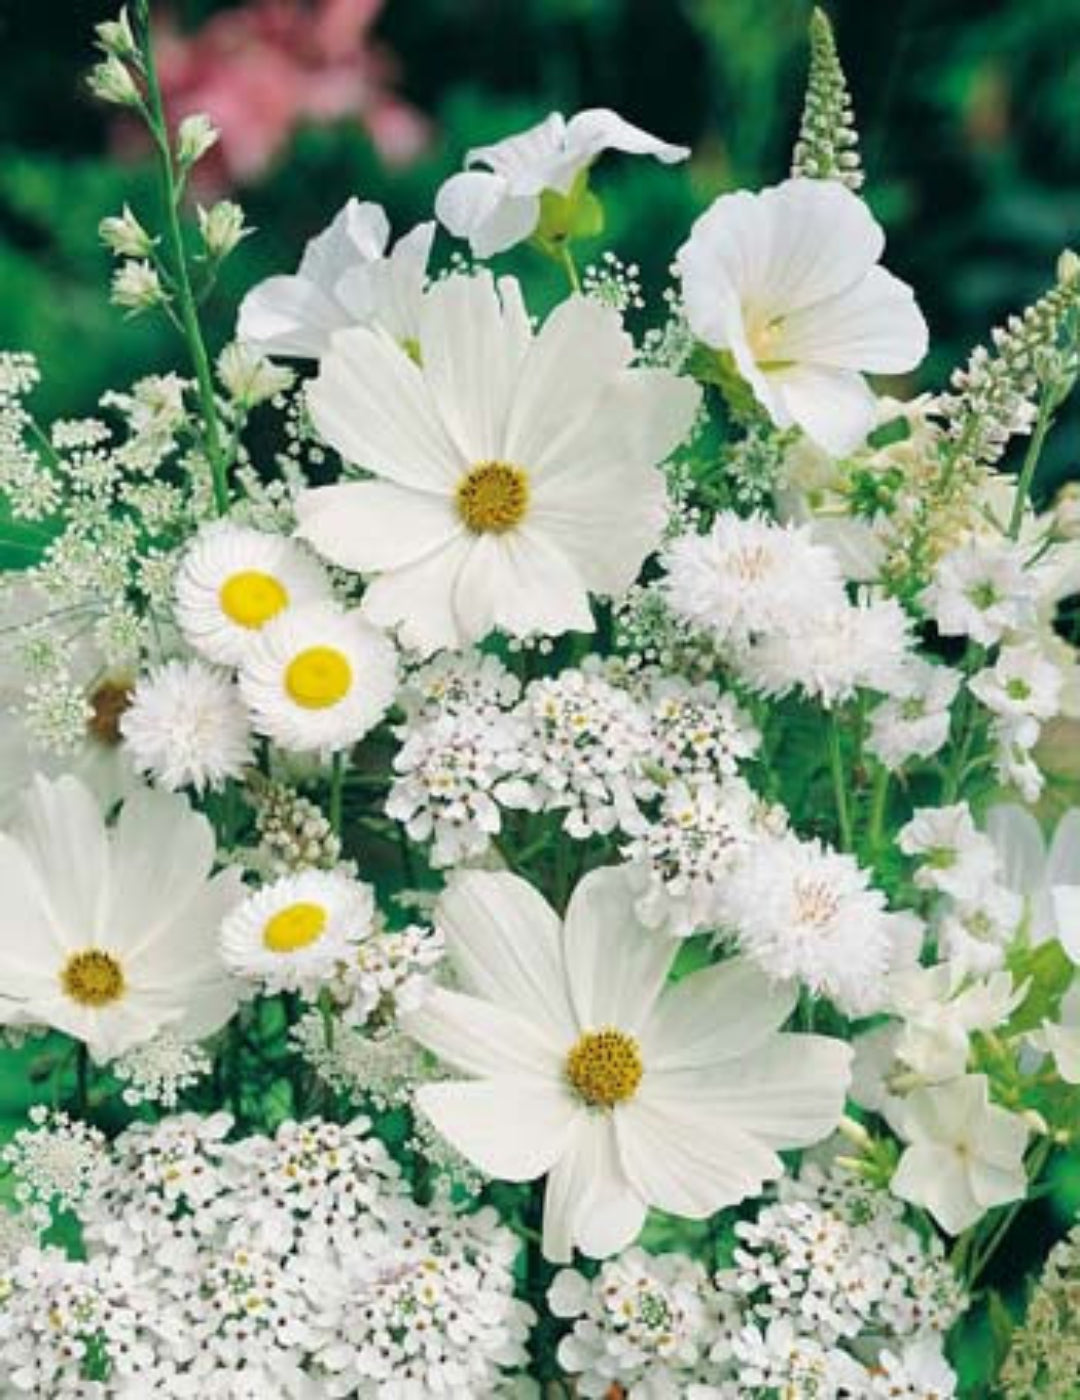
{"x": 605, "y": 1067}
{"x": 92, "y": 978}
{"x": 493, "y": 497}
{"x": 251, "y": 598}
{"x": 295, "y": 927}
{"x": 318, "y": 677}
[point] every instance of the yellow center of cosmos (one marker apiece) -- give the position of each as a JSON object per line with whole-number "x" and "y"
{"x": 295, "y": 927}
{"x": 318, "y": 677}
{"x": 92, "y": 978}
{"x": 251, "y": 598}
{"x": 605, "y": 1067}
{"x": 492, "y": 497}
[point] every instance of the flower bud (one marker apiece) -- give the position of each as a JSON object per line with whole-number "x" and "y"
{"x": 1068, "y": 267}
{"x": 125, "y": 236}
{"x": 115, "y": 36}
{"x": 248, "y": 378}
{"x": 136, "y": 286}
{"x": 196, "y": 135}
{"x": 222, "y": 227}
{"x": 111, "y": 82}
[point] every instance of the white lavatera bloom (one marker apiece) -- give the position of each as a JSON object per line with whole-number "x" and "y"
{"x": 787, "y": 282}
{"x": 110, "y": 934}
{"x": 345, "y": 278}
{"x": 587, "y": 1068}
{"x": 965, "y": 1155}
{"x": 1046, "y": 875}
{"x": 498, "y": 207}
{"x": 514, "y": 472}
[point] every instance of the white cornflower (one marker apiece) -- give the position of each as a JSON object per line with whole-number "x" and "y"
{"x": 787, "y": 283}
{"x": 317, "y": 679}
{"x": 481, "y": 516}
{"x": 345, "y": 278}
{"x": 110, "y": 935}
{"x": 752, "y": 577}
{"x": 982, "y": 590}
{"x": 233, "y": 581}
{"x": 586, "y": 1068}
{"x": 186, "y": 727}
{"x": 807, "y": 913}
{"x": 296, "y": 934}
{"x": 954, "y": 856}
{"x": 965, "y": 1155}
{"x": 502, "y": 205}
{"x": 914, "y": 722}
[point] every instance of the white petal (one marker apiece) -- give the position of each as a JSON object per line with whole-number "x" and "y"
{"x": 359, "y": 231}
{"x": 874, "y": 325}
{"x": 615, "y": 967}
{"x": 1063, "y": 865}
{"x": 368, "y": 526}
{"x": 521, "y": 583}
{"x": 61, "y": 829}
{"x": 1065, "y": 900}
{"x": 504, "y": 940}
{"x": 600, "y": 129}
{"x": 589, "y": 1201}
{"x": 482, "y": 1038}
{"x": 289, "y": 316}
{"x": 420, "y": 598}
{"x": 31, "y": 949}
{"x": 995, "y": 1185}
{"x": 161, "y": 855}
{"x": 834, "y": 407}
{"x": 931, "y": 1176}
{"x": 512, "y": 1129}
{"x": 1019, "y": 844}
{"x": 720, "y": 1013}
{"x": 478, "y": 206}
{"x": 371, "y": 403}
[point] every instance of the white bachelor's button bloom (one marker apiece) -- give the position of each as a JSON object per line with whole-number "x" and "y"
{"x": 186, "y": 727}
{"x": 787, "y": 282}
{"x": 293, "y": 935}
{"x": 498, "y": 207}
{"x": 516, "y": 472}
{"x": 625, "y": 1092}
{"x": 965, "y": 1155}
{"x": 111, "y": 935}
{"x": 316, "y": 679}
{"x": 234, "y": 580}
{"x": 345, "y": 278}
{"x": 1048, "y": 878}
{"x": 982, "y": 590}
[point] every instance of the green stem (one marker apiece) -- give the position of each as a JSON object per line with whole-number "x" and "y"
{"x": 337, "y": 791}
{"x": 82, "y": 1080}
{"x": 566, "y": 257}
{"x": 1031, "y": 463}
{"x": 879, "y": 801}
{"x": 839, "y": 780}
{"x": 189, "y": 319}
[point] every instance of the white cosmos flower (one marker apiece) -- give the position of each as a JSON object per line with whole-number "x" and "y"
{"x": 234, "y": 580}
{"x": 316, "y": 679}
{"x": 515, "y": 472}
{"x": 185, "y": 726}
{"x": 965, "y": 1155}
{"x": 498, "y": 207}
{"x": 345, "y": 278}
{"x": 787, "y": 282}
{"x": 111, "y": 935}
{"x": 293, "y": 935}
{"x": 626, "y": 1092}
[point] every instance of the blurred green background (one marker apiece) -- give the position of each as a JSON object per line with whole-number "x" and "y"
{"x": 969, "y": 113}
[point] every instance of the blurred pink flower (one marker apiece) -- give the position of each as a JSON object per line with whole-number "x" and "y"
{"x": 261, "y": 70}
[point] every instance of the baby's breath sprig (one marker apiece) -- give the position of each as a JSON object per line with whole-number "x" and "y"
{"x": 828, "y": 144}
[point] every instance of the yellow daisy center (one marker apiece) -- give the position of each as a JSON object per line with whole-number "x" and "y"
{"x": 252, "y": 598}
{"x": 92, "y": 978}
{"x": 605, "y": 1067}
{"x": 295, "y": 927}
{"x": 318, "y": 677}
{"x": 492, "y": 497}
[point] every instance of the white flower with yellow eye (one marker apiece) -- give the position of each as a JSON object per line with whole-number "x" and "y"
{"x": 235, "y": 580}
{"x": 110, "y": 935}
{"x": 317, "y": 679}
{"x": 293, "y": 935}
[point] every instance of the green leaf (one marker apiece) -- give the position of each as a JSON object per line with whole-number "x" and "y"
{"x": 1050, "y": 974}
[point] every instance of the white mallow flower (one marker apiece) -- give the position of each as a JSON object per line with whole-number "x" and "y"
{"x": 186, "y": 727}
{"x": 345, "y": 278}
{"x": 587, "y": 1068}
{"x": 982, "y": 590}
{"x": 787, "y": 282}
{"x": 294, "y": 935}
{"x": 111, "y": 934}
{"x": 914, "y": 722}
{"x": 1022, "y": 687}
{"x": 807, "y": 914}
{"x": 234, "y": 580}
{"x": 316, "y": 679}
{"x": 515, "y": 472}
{"x": 965, "y": 1155}
{"x": 1046, "y": 877}
{"x": 498, "y": 207}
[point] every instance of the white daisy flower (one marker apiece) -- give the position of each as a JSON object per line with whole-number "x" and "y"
{"x": 787, "y": 283}
{"x": 233, "y": 581}
{"x": 500, "y": 206}
{"x": 516, "y": 472}
{"x": 345, "y": 278}
{"x": 111, "y": 935}
{"x": 293, "y": 935}
{"x": 186, "y": 727}
{"x": 586, "y": 1067}
{"x": 316, "y": 679}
